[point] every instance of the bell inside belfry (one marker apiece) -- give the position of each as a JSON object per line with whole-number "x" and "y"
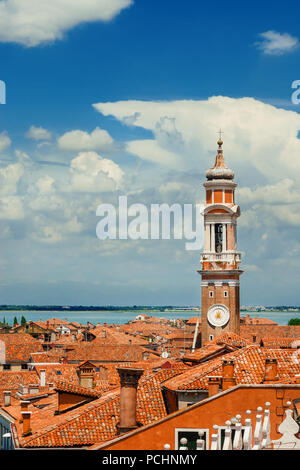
{"x": 218, "y": 237}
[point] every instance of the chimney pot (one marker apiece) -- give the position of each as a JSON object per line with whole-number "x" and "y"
{"x": 7, "y": 398}
{"x": 42, "y": 377}
{"x": 214, "y": 385}
{"x": 228, "y": 379}
{"x": 271, "y": 368}
{"x": 26, "y": 415}
{"x": 129, "y": 378}
{"x": 24, "y": 405}
{"x": 228, "y": 368}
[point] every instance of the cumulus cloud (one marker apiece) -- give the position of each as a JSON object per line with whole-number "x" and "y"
{"x": 38, "y": 133}
{"x": 272, "y": 150}
{"x": 54, "y": 231}
{"x": 283, "y": 192}
{"x": 78, "y": 140}
{"x": 9, "y": 178}
{"x": 4, "y": 141}
{"x": 151, "y": 150}
{"x": 274, "y": 43}
{"x": 11, "y": 208}
{"x": 92, "y": 173}
{"x": 33, "y": 22}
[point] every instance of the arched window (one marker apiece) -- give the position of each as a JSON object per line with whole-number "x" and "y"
{"x": 218, "y": 238}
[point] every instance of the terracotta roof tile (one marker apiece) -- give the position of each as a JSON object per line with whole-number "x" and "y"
{"x": 96, "y": 421}
{"x": 249, "y": 368}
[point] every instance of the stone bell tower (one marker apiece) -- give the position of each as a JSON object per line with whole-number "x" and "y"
{"x": 220, "y": 273}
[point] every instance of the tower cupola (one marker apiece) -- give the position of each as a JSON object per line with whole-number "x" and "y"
{"x": 219, "y": 170}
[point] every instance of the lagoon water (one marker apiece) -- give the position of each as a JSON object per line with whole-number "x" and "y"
{"x": 118, "y": 317}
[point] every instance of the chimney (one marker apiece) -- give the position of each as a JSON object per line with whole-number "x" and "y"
{"x": 228, "y": 379}
{"x": 86, "y": 375}
{"x": 103, "y": 334}
{"x": 24, "y": 405}
{"x": 26, "y": 415}
{"x": 214, "y": 385}
{"x": 7, "y": 398}
{"x": 270, "y": 370}
{"x": 42, "y": 377}
{"x": 129, "y": 378}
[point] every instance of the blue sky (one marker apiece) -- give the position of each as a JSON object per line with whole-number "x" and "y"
{"x": 145, "y": 59}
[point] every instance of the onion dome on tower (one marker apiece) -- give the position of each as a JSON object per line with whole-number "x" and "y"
{"x": 219, "y": 170}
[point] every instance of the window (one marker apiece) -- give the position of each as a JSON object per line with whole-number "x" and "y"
{"x": 191, "y": 434}
{"x": 225, "y": 293}
{"x": 211, "y": 293}
{"x": 6, "y": 366}
{"x": 211, "y": 337}
{"x": 5, "y": 436}
{"x": 218, "y": 238}
{"x": 24, "y": 366}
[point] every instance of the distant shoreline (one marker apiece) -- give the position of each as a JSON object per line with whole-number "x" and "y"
{"x": 135, "y": 308}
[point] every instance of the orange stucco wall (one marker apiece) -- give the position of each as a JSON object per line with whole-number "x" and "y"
{"x": 67, "y": 400}
{"x": 228, "y": 196}
{"x": 218, "y": 196}
{"x": 214, "y": 411}
{"x": 209, "y": 196}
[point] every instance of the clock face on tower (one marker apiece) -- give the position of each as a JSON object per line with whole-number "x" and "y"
{"x": 218, "y": 315}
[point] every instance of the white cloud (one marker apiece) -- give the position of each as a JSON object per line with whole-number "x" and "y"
{"x": 256, "y": 135}
{"x": 282, "y": 192}
{"x": 78, "y": 140}
{"x": 11, "y": 208}
{"x": 4, "y": 141}
{"x": 150, "y": 150}
{"x": 274, "y": 43}
{"x": 45, "y": 184}
{"x": 9, "y": 178}
{"x": 38, "y": 133}
{"x": 92, "y": 173}
{"x": 32, "y": 22}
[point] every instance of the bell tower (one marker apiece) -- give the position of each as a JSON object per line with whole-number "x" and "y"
{"x": 220, "y": 273}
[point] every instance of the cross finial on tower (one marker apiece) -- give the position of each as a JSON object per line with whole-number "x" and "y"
{"x": 220, "y": 132}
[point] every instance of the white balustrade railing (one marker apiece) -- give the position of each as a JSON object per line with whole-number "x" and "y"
{"x": 233, "y": 257}
{"x": 241, "y": 437}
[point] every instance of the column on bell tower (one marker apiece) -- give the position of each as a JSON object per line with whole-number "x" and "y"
{"x": 220, "y": 259}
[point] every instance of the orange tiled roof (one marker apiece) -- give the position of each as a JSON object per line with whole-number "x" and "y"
{"x": 68, "y": 387}
{"x": 207, "y": 352}
{"x": 96, "y": 421}
{"x": 18, "y": 338}
{"x": 18, "y": 346}
{"x": 274, "y": 331}
{"x": 45, "y": 357}
{"x": 110, "y": 353}
{"x": 247, "y": 320}
{"x": 148, "y": 329}
{"x": 269, "y": 342}
{"x": 113, "y": 337}
{"x": 194, "y": 320}
{"x": 249, "y": 368}
{"x": 231, "y": 339}
{"x": 10, "y": 380}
